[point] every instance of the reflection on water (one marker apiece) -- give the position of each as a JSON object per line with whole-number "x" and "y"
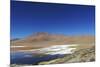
{"x": 28, "y": 58}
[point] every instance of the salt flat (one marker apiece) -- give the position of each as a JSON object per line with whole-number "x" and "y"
{"x": 52, "y": 50}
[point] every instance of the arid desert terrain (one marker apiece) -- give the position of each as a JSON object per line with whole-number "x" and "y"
{"x": 52, "y": 49}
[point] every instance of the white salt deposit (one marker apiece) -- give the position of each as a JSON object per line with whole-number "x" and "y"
{"x": 56, "y": 49}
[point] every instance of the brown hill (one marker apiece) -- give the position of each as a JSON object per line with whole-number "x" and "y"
{"x": 43, "y": 36}
{"x": 44, "y": 39}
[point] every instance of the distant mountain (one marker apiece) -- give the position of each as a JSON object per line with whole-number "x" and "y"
{"x": 44, "y": 36}
{"x": 44, "y": 39}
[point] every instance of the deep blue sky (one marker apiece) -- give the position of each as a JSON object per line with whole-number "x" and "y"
{"x": 31, "y": 17}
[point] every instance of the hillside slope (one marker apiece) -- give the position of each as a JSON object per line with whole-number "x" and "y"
{"x": 82, "y": 55}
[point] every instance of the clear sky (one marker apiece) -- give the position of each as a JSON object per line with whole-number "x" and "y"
{"x": 31, "y": 17}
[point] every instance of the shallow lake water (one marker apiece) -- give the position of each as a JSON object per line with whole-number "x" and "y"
{"x": 27, "y": 58}
{"x": 30, "y": 57}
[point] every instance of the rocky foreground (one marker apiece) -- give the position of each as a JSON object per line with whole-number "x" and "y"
{"x": 82, "y": 55}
